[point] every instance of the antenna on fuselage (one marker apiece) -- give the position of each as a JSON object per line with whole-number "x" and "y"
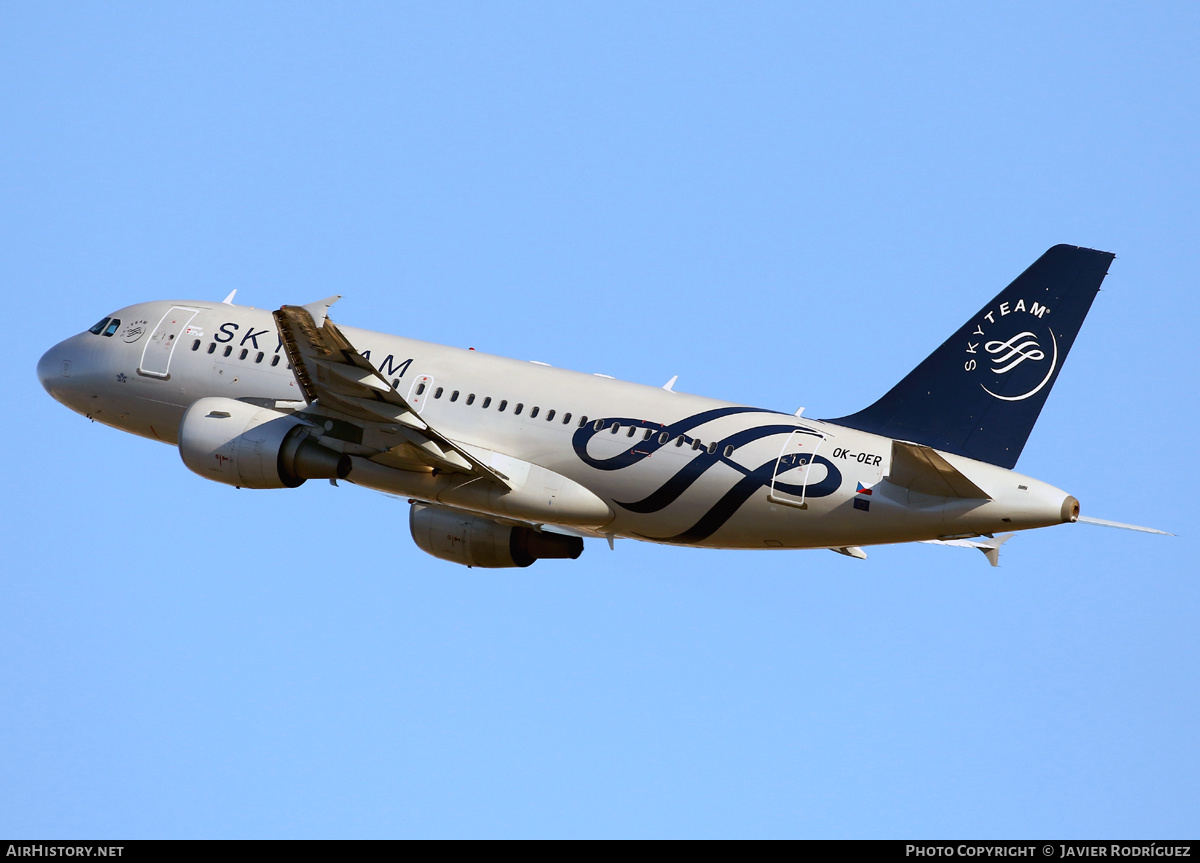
{"x": 229, "y": 299}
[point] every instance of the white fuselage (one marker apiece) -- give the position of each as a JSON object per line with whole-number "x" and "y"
{"x": 727, "y": 475}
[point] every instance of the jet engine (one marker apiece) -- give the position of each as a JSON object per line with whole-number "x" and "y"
{"x": 460, "y": 537}
{"x": 247, "y": 446}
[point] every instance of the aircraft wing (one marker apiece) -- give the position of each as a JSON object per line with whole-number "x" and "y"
{"x": 339, "y": 383}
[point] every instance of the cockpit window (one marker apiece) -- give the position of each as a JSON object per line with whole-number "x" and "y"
{"x": 95, "y": 331}
{"x": 112, "y": 327}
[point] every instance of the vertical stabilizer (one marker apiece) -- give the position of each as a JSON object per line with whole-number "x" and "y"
{"x": 980, "y": 393}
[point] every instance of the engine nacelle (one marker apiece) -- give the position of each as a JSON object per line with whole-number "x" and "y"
{"x": 473, "y": 541}
{"x": 240, "y": 444}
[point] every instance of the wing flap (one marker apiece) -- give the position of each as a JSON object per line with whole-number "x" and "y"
{"x": 342, "y": 374}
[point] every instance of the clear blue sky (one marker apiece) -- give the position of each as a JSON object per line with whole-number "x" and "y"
{"x": 783, "y": 204}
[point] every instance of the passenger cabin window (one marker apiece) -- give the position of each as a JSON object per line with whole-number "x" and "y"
{"x": 112, "y": 327}
{"x": 420, "y": 388}
{"x": 487, "y": 402}
{"x": 550, "y": 415}
{"x": 679, "y": 441}
{"x": 243, "y": 354}
{"x": 228, "y": 350}
{"x": 395, "y": 381}
{"x": 99, "y": 326}
{"x": 566, "y": 419}
{"x": 259, "y": 358}
{"x": 213, "y": 346}
{"x": 437, "y": 394}
{"x": 503, "y": 404}
{"x": 664, "y": 437}
{"x": 582, "y": 421}
{"x": 598, "y": 425}
{"x": 712, "y": 448}
{"x": 454, "y": 396}
{"x": 614, "y": 428}
{"x": 275, "y": 360}
{"x": 471, "y": 399}
{"x": 632, "y": 431}
{"x": 729, "y": 451}
{"x": 533, "y": 412}
{"x": 696, "y": 444}
{"x": 196, "y": 345}
{"x": 520, "y": 407}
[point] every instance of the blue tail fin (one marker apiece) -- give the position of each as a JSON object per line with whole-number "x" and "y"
{"x": 980, "y": 393}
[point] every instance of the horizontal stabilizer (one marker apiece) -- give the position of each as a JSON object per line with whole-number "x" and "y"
{"x": 989, "y": 547}
{"x": 1106, "y": 523}
{"x": 921, "y": 469}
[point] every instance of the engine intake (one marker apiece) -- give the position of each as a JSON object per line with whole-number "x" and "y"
{"x": 247, "y": 446}
{"x": 471, "y": 540}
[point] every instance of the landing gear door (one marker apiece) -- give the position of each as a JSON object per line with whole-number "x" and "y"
{"x": 156, "y": 356}
{"x": 794, "y": 469}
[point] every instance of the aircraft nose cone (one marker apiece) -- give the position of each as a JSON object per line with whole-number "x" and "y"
{"x": 54, "y": 368}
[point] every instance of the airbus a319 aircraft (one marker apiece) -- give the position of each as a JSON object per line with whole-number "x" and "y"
{"x": 506, "y": 462}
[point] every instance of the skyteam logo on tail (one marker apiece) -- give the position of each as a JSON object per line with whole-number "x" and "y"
{"x": 1016, "y": 354}
{"x": 1010, "y": 354}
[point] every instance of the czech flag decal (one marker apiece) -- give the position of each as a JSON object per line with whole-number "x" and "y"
{"x": 862, "y": 489}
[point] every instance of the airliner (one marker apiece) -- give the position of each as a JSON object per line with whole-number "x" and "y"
{"x": 505, "y": 462}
